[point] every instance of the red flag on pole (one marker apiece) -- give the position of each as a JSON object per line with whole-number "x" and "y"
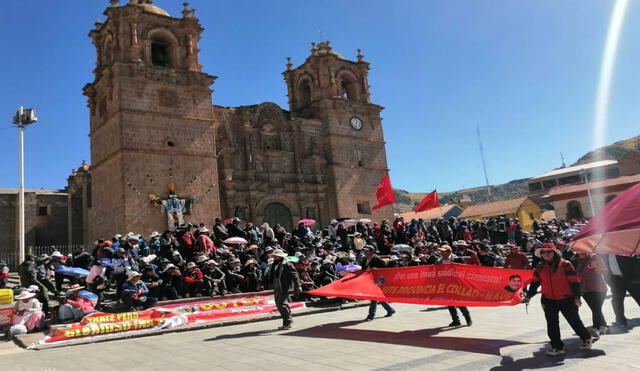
{"x": 384, "y": 193}
{"x": 430, "y": 201}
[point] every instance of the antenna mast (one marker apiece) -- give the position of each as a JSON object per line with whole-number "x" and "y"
{"x": 484, "y": 165}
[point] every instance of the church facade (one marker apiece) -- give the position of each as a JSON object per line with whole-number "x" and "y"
{"x": 162, "y": 152}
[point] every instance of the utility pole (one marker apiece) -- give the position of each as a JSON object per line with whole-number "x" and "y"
{"x": 22, "y": 118}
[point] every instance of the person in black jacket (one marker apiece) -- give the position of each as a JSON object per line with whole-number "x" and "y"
{"x": 281, "y": 275}
{"x": 372, "y": 261}
{"x": 624, "y": 276}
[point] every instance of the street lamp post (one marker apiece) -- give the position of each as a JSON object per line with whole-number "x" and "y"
{"x": 22, "y": 118}
{"x": 583, "y": 173}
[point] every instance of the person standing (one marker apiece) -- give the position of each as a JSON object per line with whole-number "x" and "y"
{"x": 447, "y": 257}
{"x": 591, "y": 270}
{"x": 624, "y": 276}
{"x": 281, "y": 275}
{"x": 373, "y": 261}
{"x": 560, "y": 294}
{"x": 516, "y": 259}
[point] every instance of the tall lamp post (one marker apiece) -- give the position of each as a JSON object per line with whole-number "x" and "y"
{"x": 583, "y": 173}
{"x": 22, "y": 119}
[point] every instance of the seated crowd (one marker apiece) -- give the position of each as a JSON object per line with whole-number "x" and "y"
{"x": 194, "y": 261}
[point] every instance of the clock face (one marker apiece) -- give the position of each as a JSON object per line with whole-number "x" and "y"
{"x": 356, "y": 123}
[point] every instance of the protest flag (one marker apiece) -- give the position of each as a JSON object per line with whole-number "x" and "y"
{"x": 384, "y": 193}
{"x": 430, "y": 201}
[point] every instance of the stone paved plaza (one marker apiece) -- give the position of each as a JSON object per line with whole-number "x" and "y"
{"x": 505, "y": 338}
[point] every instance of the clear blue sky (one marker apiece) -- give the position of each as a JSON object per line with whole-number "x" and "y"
{"x": 525, "y": 71}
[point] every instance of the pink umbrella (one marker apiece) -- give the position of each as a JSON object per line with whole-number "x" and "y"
{"x": 236, "y": 241}
{"x": 307, "y": 222}
{"x": 615, "y": 229}
{"x": 227, "y": 221}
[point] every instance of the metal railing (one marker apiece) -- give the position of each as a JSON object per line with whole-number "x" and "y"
{"x": 12, "y": 258}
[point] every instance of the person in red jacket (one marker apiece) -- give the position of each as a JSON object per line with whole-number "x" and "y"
{"x": 193, "y": 280}
{"x": 591, "y": 270}
{"x": 517, "y": 259}
{"x": 560, "y": 294}
{"x": 204, "y": 242}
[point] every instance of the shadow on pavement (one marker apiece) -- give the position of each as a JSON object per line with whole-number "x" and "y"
{"x": 424, "y": 338}
{"x": 243, "y": 335}
{"x": 540, "y": 360}
{"x": 431, "y": 309}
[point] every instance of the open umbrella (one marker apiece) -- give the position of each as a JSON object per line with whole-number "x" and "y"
{"x": 72, "y": 271}
{"x": 227, "y": 221}
{"x": 571, "y": 231}
{"x": 348, "y": 222}
{"x": 615, "y": 229}
{"x": 349, "y": 268}
{"x": 365, "y": 221}
{"x": 402, "y": 247}
{"x": 307, "y": 222}
{"x": 236, "y": 241}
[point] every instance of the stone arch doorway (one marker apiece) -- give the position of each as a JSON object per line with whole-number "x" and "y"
{"x": 277, "y": 213}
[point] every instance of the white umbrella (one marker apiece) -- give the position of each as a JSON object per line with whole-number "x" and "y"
{"x": 236, "y": 241}
{"x": 365, "y": 221}
{"x": 402, "y": 247}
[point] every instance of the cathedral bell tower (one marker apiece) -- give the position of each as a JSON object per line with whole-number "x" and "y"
{"x": 335, "y": 91}
{"x": 151, "y": 121}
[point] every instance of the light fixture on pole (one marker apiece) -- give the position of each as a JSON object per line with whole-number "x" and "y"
{"x": 583, "y": 174}
{"x": 22, "y": 118}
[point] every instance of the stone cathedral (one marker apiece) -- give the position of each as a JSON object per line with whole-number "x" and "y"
{"x": 161, "y": 150}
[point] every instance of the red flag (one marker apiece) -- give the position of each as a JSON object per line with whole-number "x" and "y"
{"x": 430, "y": 201}
{"x": 384, "y": 193}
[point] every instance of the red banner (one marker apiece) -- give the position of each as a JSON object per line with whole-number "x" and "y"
{"x": 447, "y": 284}
{"x": 100, "y": 324}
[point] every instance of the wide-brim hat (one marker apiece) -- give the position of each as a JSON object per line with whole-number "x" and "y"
{"x": 252, "y": 247}
{"x": 75, "y": 287}
{"x": 234, "y": 261}
{"x": 154, "y": 234}
{"x": 250, "y": 261}
{"x": 211, "y": 261}
{"x": 169, "y": 266}
{"x": 460, "y": 243}
{"x": 280, "y": 253}
{"x": 43, "y": 257}
{"x": 56, "y": 254}
{"x": 133, "y": 274}
{"x": 201, "y": 258}
{"x": 148, "y": 259}
{"x": 204, "y": 230}
{"x": 175, "y": 253}
{"x": 444, "y": 248}
{"x": 25, "y": 295}
{"x": 191, "y": 265}
{"x": 327, "y": 261}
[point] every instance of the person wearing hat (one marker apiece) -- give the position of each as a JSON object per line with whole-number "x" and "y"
{"x": 56, "y": 263}
{"x": 219, "y": 231}
{"x": 172, "y": 283}
{"x": 135, "y": 293}
{"x": 232, "y": 275}
{"x": 78, "y": 304}
{"x": 213, "y": 278}
{"x": 4, "y": 274}
{"x": 252, "y": 281}
{"x": 154, "y": 244}
{"x": 447, "y": 257}
{"x": 122, "y": 264}
{"x": 281, "y": 275}
{"x": 178, "y": 260}
{"x": 327, "y": 272}
{"x": 234, "y": 229}
{"x": 373, "y": 261}
{"x": 153, "y": 281}
{"x": 97, "y": 280}
{"x": 27, "y": 314}
{"x": 560, "y": 294}
{"x": 44, "y": 272}
{"x": 193, "y": 280}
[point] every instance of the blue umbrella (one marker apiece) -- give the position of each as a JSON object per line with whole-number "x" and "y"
{"x": 349, "y": 268}
{"x": 72, "y": 271}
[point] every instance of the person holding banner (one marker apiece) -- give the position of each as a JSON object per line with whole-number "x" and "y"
{"x": 560, "y": 293}
{"x": 372, "y": 261}
{"x": 447, "y": 257}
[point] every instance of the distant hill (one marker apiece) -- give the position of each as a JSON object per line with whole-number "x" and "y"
{"x": 406, "y": 201}
{"x": 613, "y": 151}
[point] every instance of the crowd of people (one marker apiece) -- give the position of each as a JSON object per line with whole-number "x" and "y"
{"x": 236, "y": 257}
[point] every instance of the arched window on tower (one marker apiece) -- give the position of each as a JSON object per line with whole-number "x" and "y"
{"x": 348, "y": 87}
{"x": 160, "y": 53}
{"x": 304, "y": 92}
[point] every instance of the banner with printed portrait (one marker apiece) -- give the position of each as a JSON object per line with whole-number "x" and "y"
{"x": 447, "y": 284}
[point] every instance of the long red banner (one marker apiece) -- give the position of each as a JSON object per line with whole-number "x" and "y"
{"x": 101, "y": 324}
{"x": 447, "y": 284}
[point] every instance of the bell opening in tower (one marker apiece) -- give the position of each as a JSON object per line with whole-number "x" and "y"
{"x": 160, "y": 53}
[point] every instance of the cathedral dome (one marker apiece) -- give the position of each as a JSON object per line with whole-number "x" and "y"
{"x": 153, "y": 9}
